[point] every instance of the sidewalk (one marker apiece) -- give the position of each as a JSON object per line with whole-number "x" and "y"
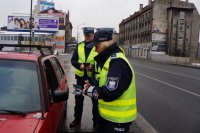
{"x": 86, "y": 123}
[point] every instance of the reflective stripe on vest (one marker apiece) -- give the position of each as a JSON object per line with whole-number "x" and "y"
{"x": 122, "y": 50}
{"x": 82, "y": 59}
{"x": 124, "y": 108}
{"x": 97, "y": 71}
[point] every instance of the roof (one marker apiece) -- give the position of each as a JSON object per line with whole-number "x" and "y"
{"x": 138, "y": 13}
{"x": 19, "y": 56}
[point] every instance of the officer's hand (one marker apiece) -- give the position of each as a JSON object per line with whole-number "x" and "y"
{"x": 89, "y": 68}
{"x": 87, "y": 84}
{"x": 84, "y": 91}
{"x": 82, "y": 67}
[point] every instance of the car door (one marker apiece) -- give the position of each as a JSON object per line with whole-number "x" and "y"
{"x": 52, "y": 85}
{"x": 60, "y": 107}
{"x": 61, "y": 77}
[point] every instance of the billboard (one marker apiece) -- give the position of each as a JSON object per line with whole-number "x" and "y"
{"x": 44, "y": 5}
{"x": 55, "y": 13}
{"x": 22, "y": 23}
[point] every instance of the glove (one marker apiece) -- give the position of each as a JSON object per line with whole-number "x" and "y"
{"x": 77, "y": 89}
{"x": 91, "y": 92}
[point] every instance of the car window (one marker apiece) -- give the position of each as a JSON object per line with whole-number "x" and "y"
{"x": 50, "y": 75}
{"x": 58, "y": 68}
{"x": 19, "y": 86}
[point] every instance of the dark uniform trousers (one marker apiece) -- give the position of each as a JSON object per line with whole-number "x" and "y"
{"x": 110, "y": 127}
{"x": 79, "y": 99}
{"x": 78, "y": 109}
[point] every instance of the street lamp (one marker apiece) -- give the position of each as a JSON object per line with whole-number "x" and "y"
{"x": 30, "y": 26}
{"x": 77, "y": 30}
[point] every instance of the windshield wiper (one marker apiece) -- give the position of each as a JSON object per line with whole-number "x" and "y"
{"x": 14, "y": 112}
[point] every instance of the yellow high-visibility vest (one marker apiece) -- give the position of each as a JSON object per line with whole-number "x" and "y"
{"x": 82, "y": 59}
{"x": 123, "y": 109}
{"x": 98, "y": 69}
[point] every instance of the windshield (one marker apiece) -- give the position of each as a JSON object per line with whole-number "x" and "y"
{"x": 19, "y": 86}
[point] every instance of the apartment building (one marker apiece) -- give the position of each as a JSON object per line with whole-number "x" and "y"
{"x": 165, "y": 26}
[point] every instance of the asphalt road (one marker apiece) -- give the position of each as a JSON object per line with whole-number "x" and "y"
{"x": 168, "y": 96}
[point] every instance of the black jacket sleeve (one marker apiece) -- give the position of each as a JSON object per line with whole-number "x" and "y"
{"x": 74, "y": 59}
{"x": 118, "y": 80}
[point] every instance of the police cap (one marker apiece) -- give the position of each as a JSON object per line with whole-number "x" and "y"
{"x": 88, "y": 30}
{"x": 106, "y": 29}
{"x": 100, "y": 36}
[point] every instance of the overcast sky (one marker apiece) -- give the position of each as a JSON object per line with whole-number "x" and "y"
{"x": 95, "y": 13}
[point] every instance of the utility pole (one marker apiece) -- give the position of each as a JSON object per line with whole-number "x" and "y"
{"x": 30, "y": 26}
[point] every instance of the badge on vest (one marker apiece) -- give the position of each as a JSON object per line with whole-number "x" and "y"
{"x": 95, "y": 94}
{"x": 112, "y": 83}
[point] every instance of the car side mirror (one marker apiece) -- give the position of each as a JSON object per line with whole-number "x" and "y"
{"x": 60, "y": 95}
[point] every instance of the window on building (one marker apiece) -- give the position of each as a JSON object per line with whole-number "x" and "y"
{"x": 36, "y": 39}
{"x": 8, "y": 38}
{"x": 181, "y": 26}
{"x": 25, "y": 38}
{"x": 182, "y": 15}
{"x": 180, "y": 40}
{"x": 15, "y": 38}
{"x": 1, "y": 37}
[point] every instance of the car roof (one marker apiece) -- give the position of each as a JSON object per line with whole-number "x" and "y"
{"x": 19, "y": 56}
{"x": 25, "y": 55}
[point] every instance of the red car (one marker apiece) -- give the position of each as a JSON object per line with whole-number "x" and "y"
{"x": 33, "y": 90}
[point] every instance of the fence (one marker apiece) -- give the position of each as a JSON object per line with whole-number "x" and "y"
{"x": 162, "y": 58}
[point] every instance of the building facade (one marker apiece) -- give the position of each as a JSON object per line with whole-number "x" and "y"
{"x": 167, "y": 26}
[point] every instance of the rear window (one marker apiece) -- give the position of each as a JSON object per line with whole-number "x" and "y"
{"x": 19, "y": 86}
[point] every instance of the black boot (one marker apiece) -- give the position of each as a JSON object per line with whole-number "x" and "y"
{"x": 74, "y": 123}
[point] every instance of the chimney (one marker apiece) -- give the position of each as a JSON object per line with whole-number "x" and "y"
{"x": 150, "y": 2}
{"x": 141, "y": 6}
{"x": 186, "y": 1}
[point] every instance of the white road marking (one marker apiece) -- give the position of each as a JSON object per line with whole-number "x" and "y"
{"x": 167, "y": 72}
{"x": 181, "y": 89}
{"x": 143, "y": 124}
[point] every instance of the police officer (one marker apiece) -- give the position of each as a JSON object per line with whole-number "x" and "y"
{"x": 111, "y": 30}
{"x": 116, "y": 90}
{"x": 82, "y": 60}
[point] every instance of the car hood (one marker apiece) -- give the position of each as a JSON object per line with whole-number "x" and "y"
{"x": 18, "y": 124}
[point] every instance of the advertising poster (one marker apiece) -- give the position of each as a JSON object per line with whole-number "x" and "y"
{"x": 44, "y": 5}
{"x": 55, "y": 13}
{"x": 60, "y": 39}
{"x": 22, "y": 23}
{"x": 159, "y": 26}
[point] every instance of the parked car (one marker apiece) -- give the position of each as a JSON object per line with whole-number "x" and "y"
{"x": 33, "y": 91}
